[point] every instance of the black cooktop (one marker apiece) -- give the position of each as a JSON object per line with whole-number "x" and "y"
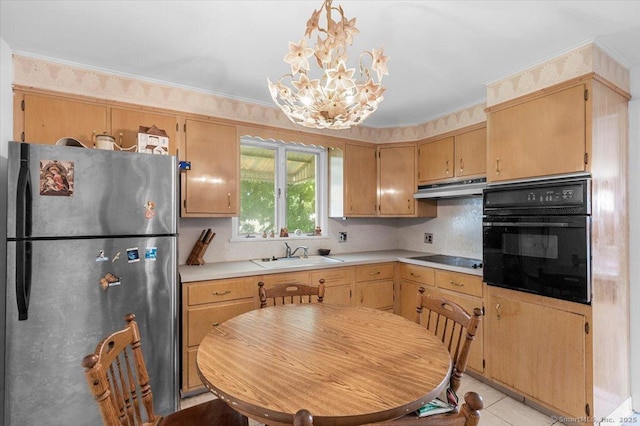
{"x": 463, "y": 262}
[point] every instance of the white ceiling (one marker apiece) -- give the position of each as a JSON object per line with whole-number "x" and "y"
{"x": 441, "y": 53}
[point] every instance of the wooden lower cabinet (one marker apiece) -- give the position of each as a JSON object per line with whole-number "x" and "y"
{"x": 374, "y": 286}
{"x": 337, "y": 282}
{"x": 206, "y": 304}
{"x": 538, "y": 348}
{"x": 412, "y": 277}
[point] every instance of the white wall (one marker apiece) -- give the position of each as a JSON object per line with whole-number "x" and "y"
{"x": 634, "y": 233}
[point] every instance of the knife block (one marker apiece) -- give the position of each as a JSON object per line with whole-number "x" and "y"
{"x": 197, "y": 253}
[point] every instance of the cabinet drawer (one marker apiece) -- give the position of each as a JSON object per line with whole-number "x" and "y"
{"x": 332, "y": 277}
{"x": 380, "y": 271}
{"x": 221, "y": 290}
{"x": 287, "y": 278}
{"x": 419, "y": 274}
{"x": 462, "y": 283}
{"x": 201, "y": 319}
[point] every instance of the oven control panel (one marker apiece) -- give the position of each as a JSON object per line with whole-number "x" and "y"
{"x": 560, "y": 196}
{"x": 573, "y": 195}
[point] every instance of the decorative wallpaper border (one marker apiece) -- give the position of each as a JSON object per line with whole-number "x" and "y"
{"x": 48, "y": 75}
{"x": 580, "y": 61}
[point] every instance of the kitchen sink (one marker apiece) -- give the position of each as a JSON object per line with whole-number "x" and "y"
{"x": 294, "y": 262}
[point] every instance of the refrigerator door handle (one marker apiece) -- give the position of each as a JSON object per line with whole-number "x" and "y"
{"x": 23, "y": 278}
{"x": 23, "y": 195}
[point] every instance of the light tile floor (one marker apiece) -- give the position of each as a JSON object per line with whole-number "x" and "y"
{"x": 499, "y": 409}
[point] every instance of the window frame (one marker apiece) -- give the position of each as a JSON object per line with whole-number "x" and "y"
{"x": 280, "y": 183}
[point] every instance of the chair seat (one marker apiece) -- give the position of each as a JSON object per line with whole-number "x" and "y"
{"x": 211, "y": 413}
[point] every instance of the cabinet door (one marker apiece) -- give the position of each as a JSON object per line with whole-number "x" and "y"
{"x": 435, "y": 160}
{"x": 47, "y": 119}
{"x": 409, "y": 297}
{"x": 539, "y": 351}
{"x": 125, "y": 124}
{"x": 360, "y": 180}
{"x": 211, "y": 187}
{"x": 397, "y": 180}
{"x": 375, "y": 294}
{"x": 471, "y": 153}
{"x": 543, "y": 136}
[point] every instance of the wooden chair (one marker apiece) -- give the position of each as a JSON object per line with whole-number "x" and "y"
{"x": 118, "y": 379}
{"x": 449, "y": 321}
{"x": 290, "y": 293}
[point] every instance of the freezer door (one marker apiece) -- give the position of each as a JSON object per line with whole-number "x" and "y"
{"x": 69, "y": 313}
{"x": 67, "y": 191}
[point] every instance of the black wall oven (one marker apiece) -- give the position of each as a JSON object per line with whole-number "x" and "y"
{"x": 536, "y": 237}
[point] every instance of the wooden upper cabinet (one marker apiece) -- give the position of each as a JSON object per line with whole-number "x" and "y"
{"x": 360, "y": 180}
{"x": 397, "y": 180}
{"x": 461, "y": 155}
{"x": 46, "y": 119}
{"x": 471, "y": 153}
{"x": 539, "y": 137}
{"x": 436, "y": 160}
{"x": 125, "y": 124}
{"x": 211, "y": 187}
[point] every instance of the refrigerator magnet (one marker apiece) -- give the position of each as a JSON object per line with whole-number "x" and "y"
{"x": 150, "y": 253}
{"x": 101, "y": 257}
{"x": 151, "y": 209}
{"x": 109, "y": 280}
{"x": 56, "y": 178}
{"x": 116, "y": 257}
{"x": 133, "y": 255}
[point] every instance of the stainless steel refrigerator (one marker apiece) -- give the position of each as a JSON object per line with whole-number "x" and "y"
{"x": 91, "y": 236}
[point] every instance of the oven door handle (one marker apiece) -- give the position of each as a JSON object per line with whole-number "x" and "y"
{"x": 533, "y": 224}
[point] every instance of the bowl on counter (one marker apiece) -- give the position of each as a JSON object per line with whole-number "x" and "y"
{"x": 324, "y": 252}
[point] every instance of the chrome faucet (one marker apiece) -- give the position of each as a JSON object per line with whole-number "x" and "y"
{"x": 289, "y": 253}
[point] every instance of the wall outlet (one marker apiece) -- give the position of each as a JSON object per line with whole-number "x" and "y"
{"x": 428, "y": 238}
{"x": 342, "y": 237}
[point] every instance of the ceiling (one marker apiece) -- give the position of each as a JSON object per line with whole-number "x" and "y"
{"x": 441, "y": 53}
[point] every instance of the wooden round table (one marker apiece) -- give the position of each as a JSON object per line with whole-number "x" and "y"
{"x": 346, "y": 365}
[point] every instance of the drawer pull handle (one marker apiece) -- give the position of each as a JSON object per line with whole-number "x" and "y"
{"x": 374, "y": 273}
{"x": 456, "y": 283}
{"x": 215, "y": 324}
{"x": 498, "y": 311}
{"x": 216, "y": 293}
{"x": 415, "y": 275}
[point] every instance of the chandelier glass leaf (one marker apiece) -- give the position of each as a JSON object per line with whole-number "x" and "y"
{"x": 339, "y": 97}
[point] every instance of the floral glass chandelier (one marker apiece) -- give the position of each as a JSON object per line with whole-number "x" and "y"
{"x": 334, "y": 99}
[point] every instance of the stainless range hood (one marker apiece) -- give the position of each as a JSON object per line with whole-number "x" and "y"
{"x": 462, "y": 188}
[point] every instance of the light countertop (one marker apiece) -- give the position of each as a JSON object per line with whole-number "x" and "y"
{"x": 243, "y": 268}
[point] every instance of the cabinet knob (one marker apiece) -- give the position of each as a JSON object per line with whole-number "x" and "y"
{"x": 321, "y": 281}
